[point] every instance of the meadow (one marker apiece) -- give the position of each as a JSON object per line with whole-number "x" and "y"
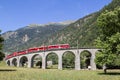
{"x": 14, "y": 73}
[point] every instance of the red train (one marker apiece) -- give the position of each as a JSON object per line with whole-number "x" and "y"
{"x": 36, "y": 49}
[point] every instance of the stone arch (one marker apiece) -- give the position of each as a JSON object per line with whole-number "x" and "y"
{"x": 68, "y": 59}
{"x": 14, "y": 62}
{"x": 36, "y": 60}
{"x": 52, "y": 60}
{"x": 85, "y": 59}
{"x": 23, "y": 61}
{"x": 8, "y": 62}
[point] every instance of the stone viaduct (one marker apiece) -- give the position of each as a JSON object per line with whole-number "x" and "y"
{"x": 29, "y": 58}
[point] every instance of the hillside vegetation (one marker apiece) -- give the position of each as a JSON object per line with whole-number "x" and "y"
{"x": 84, "y": 30}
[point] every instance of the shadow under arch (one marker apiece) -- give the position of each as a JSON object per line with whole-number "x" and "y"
{"x": 8, "y": 62}
{"x": 36, "y": 61}
{"x": 52, "y": 60}
{"x": 14, "y": 62}
{"x": 23, "y": 61}
{"x": 85, "y": 59}
{"x": 68, "y": 60}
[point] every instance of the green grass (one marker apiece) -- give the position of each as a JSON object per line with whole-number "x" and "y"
{"x": 13, "y": 73}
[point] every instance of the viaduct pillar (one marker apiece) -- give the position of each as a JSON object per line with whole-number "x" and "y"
{"x": 60, "y": 61}
{"x": 93, "y": 65}
{"x": 43, "y": 61}
{"x": 77, "y": 61}
{"x": 29, "y": 62}
{"x": 18, "y": 61}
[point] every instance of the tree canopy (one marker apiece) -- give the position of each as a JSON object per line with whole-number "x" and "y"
{"x": 109, "y": 39}
{"x": 1, "y": 45}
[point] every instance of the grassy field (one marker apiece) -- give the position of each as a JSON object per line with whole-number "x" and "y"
{"x": 13, "y": 73}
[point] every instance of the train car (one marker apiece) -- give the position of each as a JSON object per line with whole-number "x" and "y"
{"x": 30, "y": 50}
{"x": 42, "y": 48}
{"x": 58, "y": 46}
{"x": 22, "y": 52}
{"x": 15, "y": 54}
{"x": 64, "y": 46}
{"x": 9, "y": 56}
{"x": 50, "y": 47}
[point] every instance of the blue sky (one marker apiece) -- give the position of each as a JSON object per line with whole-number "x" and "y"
{"x": 15, "y": 14}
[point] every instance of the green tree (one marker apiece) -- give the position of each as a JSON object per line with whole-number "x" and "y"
{"x": 53, "y": 57}
{"x": 109, "y": 40}
{"x": 85, "y": 59}
{"x": 68, "y": 60}
{"x": 1, "y": 45}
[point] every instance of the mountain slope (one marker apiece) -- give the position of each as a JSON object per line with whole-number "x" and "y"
{"x": 84, "y": 30}
{"x": 30, "y": 36}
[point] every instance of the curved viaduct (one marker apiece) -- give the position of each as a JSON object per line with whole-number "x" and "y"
{"x": 29, "y": 58}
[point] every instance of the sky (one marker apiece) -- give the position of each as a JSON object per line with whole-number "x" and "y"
{"x": 15, "y": 14}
